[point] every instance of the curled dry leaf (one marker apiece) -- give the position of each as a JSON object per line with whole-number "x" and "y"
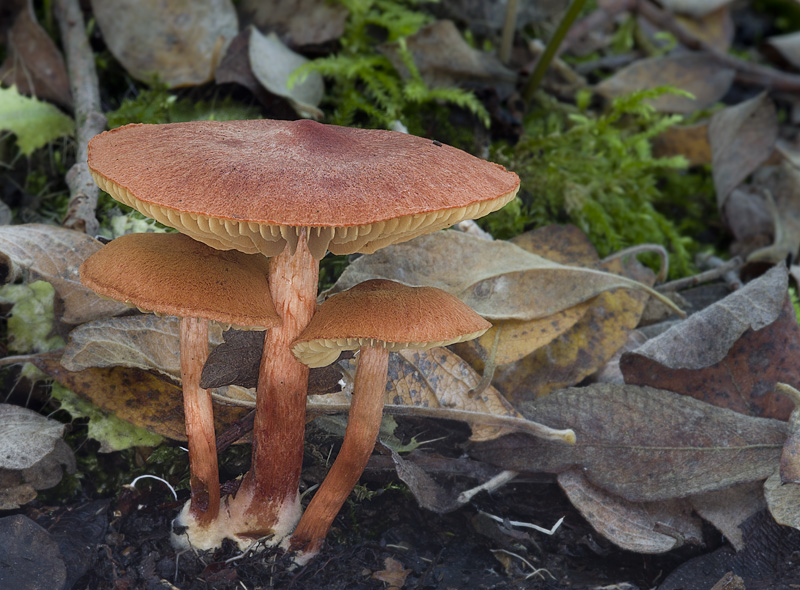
{"x": 497, "y": 279}
{"x": 272, "y": 64}
{"x": 788, "y": 46}
{"x": 235, "y": 360}
{"x": 781, "y": 188}
{"x": 26, "y": 437}
{"x": 32, "y": 455}
{"x": 437, "y": 378}
{"x": 742, "y": 138}
{"x": 133, "y": 395}
{"x": 765, "y": 563}
{"x": 235, "y": 68}
{"x": 516, "y": 339}
{"x": 643, "y": 527}
{"x": 175, "y": 43}
{"x": 696, "y": 72}
{"x": 54, "y": 254}
{"x": 715, "y": 28}
{"x": 33, "y": 62}
{"x": 783, "y": 500}
{"x": 726, "y": 354}
{"x": 298, "y": 22}
{"x": 727, "y": 509}
{"x": 145, "y": 342}
{"x": 694, "y": 7}
{"x": 643, "y": 444}
{"x": 583, "y": 349}
{"x": 460, "y": 64}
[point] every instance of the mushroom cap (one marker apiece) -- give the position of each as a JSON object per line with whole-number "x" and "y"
{"x": 172, "y": 274}
{"x": 384, "y": 313}
{"x": 253, "y": 185}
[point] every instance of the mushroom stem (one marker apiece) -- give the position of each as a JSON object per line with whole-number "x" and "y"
{"x": 267, "y": 503}
{"x": 363, "y": 425}
{"x": 204, "y": 482}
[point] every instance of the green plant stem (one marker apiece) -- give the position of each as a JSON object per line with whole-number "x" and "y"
{"x": 552, "y": 47}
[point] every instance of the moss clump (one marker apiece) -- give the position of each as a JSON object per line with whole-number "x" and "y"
{"x": 158, "y": 105}
{"x": 366, "y": 88}
{"x": 599, "y": 172}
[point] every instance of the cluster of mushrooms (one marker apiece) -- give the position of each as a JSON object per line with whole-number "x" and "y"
{"x": 258, "y": 203}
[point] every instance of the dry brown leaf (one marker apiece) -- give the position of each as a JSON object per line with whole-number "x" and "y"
{"x": 747, "y": 216}
{"x": 643, "y": 527}
{"x": 765, "y": 563}
{"x": 33, "y": 62}
{"x": 726, "y": 354}
{"x": 272, "y": 63}
{"x": 689, "y": 141}
{"x": 694, "y": 7}
{"x": 145, "y": 342}
{"x": 788, "y": 46}
{"x": 497, "y": 279}
{"x": 727, "y": 509}
{"x": 695, "y": 72}
{"x": 460, "y": 64}
{"x": 393, "y": 574}
{"x": 742, "y": 138}
{"x": 782, "y": 200}
{"x": 565, "y": 244}
{"x": 584, "y": 348}
{"x": 235, "y": 68}
{"x": 133, "y": 395}
{"x": 298, "y": 22}
{"x": 437, "y": 378}
{"x": 783, "y": 500}
{"x": 643, "y": 444}
{"x": 175, "y": 43}
{"x": 54, "y": 254}
{"x": 26, "y": 437}
{"x": 32, "y": 454}
{"x": 715, "y": 28}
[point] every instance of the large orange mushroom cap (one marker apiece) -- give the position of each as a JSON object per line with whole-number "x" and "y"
{"x": 173, "y": 274}
{"x": 253, "y": 185}
{"x": 386, "y": 314}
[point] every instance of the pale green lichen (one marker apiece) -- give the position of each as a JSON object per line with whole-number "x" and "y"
{"x": 111, "y": 432}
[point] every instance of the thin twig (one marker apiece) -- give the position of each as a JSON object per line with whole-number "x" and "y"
{"x": 663, "y": 270}
{"x": 734, "y": 264}
{"x": 89, "y": 118}
{"x": 746, "y": 72}
{"x": 730, "y": 276}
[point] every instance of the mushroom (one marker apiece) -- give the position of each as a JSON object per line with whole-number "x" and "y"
{"x": 260, "y": 185}
{"x": 172, "y": 274}
{"x": 374, "y": 317}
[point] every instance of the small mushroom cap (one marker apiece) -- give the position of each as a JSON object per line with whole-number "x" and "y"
{"x": 384, "y": 313}
{"x": 172, "y": 274}
{"x": 253, "y": 185}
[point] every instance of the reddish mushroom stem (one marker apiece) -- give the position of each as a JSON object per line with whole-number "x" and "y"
{"x": 204, "y": 482}
{"x": 268, "y": 500}
{"x": 363, "y": 425}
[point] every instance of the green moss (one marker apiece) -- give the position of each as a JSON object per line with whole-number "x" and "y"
{"x": 158, "y": 105}
{"x": 598, "y": 172}
{"x": 366, "y": 89}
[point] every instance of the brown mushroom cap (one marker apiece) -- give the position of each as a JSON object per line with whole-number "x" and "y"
{"x": 173, "y": 274}
{"x": 384, "y": 313}
{"x": 253, "y": 185}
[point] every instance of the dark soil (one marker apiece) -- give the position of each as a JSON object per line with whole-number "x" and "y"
{"x": 123, "y": 544}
